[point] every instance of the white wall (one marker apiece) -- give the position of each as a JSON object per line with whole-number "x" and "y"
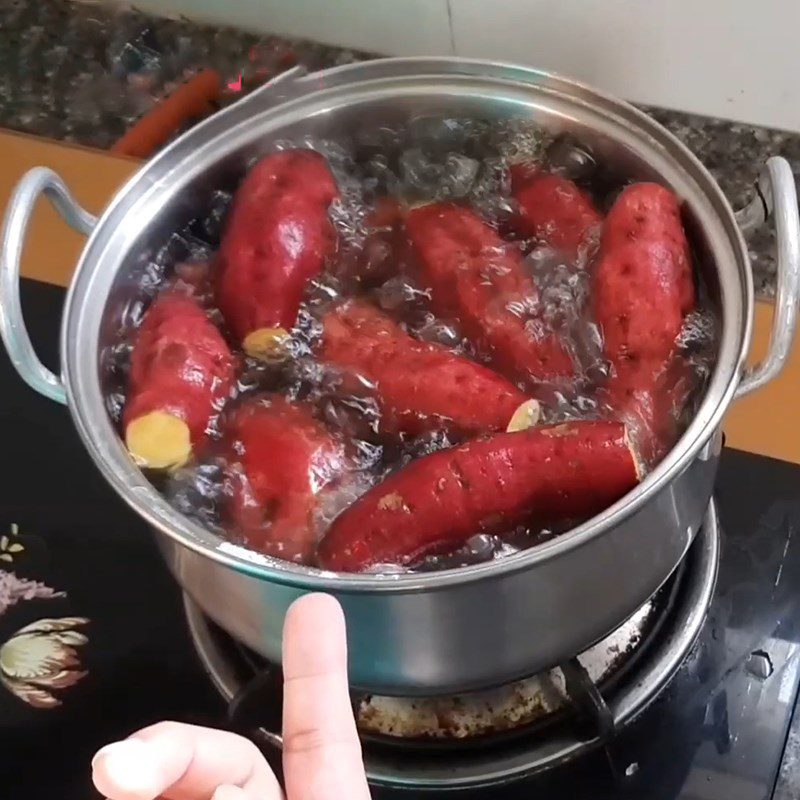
{"x": 738, "y": 59}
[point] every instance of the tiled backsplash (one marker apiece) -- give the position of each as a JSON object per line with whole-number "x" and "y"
{"x": 735, "y": 59}
{"x": 403, "y": 27}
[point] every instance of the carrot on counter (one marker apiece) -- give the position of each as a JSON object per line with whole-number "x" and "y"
{"x": 418, "y": 385}
{"x": 190, "y": 100}
{"x": 553, "y": 209}
{"x": 281, "y": 458}
{"x": 642, "y": 290}
{"x": 480, "y": 281}
{"x": 276, "y": 240}
{"x": 439, "y": 501}
{"x": 182, "y": 372}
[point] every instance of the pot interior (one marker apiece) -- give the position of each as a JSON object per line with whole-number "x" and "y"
{"x": 116, "y": 277}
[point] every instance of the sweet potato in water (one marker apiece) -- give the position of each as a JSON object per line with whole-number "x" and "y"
{"x": 642, "y": 290}
{"x": 650, "y": 398}
{"x": 438, "y": 502}
{"x": 647, "y": 213}
{"x": 553, "y": 209}
{"x": 182, "y": 371}
{"x": 277, "y": 238}
{"x": 418, "y": 385}
{"x": 643, "y": 285}
{"x": 281, "y": 459}
{"x": 479, "y": 280}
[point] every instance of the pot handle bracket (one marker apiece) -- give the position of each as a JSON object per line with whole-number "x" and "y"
{"x": 37, "y": 181}
{"x": 776, "y": 198}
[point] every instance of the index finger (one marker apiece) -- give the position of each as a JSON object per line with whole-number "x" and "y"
{"x": 321, "y": 751}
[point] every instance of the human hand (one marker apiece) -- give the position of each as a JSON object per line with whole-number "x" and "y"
{"x": 321, "y": 750}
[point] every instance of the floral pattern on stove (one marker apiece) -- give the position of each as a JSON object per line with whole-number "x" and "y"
{"x": 10, "y": 546}
{"x": 41, "y": 657}
{"x": 13, "y": 589}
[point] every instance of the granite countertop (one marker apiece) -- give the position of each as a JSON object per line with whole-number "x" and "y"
{"x": 85, "y": 71}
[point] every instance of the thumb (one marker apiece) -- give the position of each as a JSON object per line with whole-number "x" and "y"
{"x": 182, "y": 762}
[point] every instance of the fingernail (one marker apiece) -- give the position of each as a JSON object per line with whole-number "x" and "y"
{"x": 132, "y": 766}
{"x": 100, "y": 753}
{"x": 124, "y": 749}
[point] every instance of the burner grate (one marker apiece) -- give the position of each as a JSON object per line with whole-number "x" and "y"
{"x": 597, "y": 696}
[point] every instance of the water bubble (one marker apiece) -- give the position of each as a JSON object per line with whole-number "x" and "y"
{"x": 378, "y": 141}
{"x": 420, "y": 174}
{"x": 435, "y": 330}
{"x": 490, "y": 193}
{"x": 519, "y": 140}
{"x": 366, "y": 455}
{"x": 399, "y": 293}
{"x": 115, "y": 404}
{"x": 356, "y": 417}
{"x": 386, "y": 569}
{"x": 567, "y": 156}
{"x": 698, "y": 331}
{"x": 213, "y": 221}
{"x": 347, "y": 213}
{"x": 197, "y": 490}
{"x": 459, "y": 175}
{"x": 427, "y": 443}
{"x": 334, "y": 499}
{"x": 438, "y": 135}
{"x": 379, "y": 170}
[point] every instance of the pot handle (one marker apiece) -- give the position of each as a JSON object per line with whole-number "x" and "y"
{"x": 12, "y": 325}
{"x": 776, "y": 198}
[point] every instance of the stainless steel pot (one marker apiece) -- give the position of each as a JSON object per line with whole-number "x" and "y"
{"x": 459, "y": 629}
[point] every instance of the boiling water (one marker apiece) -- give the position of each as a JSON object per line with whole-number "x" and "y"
{"x": 463, "y": 160}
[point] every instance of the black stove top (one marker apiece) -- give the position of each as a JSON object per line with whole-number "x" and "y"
{"x": 94, "y": 643}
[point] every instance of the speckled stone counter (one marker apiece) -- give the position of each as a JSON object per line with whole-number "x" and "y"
{"x": 734, "y": 154}
{"x": 84, "y": 72}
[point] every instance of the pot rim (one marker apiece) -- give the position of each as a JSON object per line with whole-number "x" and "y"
{"x": 142, "y": 497}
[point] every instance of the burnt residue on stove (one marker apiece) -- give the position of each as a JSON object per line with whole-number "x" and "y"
{"x": 531, "y": 707}
{"x": 528, "y": 707}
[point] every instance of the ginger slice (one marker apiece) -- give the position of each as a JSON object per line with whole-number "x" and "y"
{"x": 158, "y": 440}
{"x": 267, "y": 344}
{"x": 526, "y": 416}
{"x": 638, "y": 462}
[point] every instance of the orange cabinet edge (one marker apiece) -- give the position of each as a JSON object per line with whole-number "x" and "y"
{"x": 767, "y": 422}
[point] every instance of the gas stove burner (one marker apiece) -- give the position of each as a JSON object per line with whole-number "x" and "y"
{"x": 500, "y": 713}
{"x": 506, "y": 733}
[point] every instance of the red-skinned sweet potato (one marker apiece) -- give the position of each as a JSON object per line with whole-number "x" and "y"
{"x": 438, "y": 502}
{"x": 642, "y": 290}
{"x": 182, "y": 372}
{"x": 650, "y": 397}
{"x": 642, "y": 286}
{"x": 418, "y": 385}
{"x": 480, "y": 281}
{"x": 276, "y": 240}
{"x": 647, "y": 213}
{"x": 281, "y": 459}
{"x": 553, "y": 209}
